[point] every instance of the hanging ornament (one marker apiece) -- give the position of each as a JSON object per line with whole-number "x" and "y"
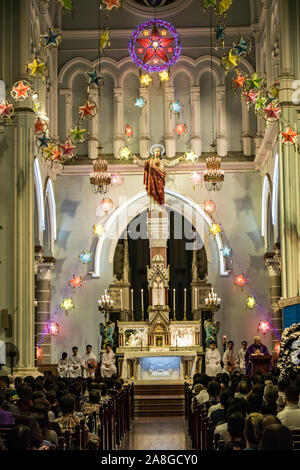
{"x": 105, "y": 39}
{"x": 260, "y": 103}
{"x": 180, "y": 129}
{"x": 21, "y": 90}
{"x": 124, "y": 153}
{"x": 40, "y": 126}
{"x": 66, "y": 4}
{"x": 155, "y": 45}
{"x": 164, "y": 76}
{"x": 76, "y": 281}
{"x": 86, "y": 257}
{"x": 116, "y": 179}
{"x": 176, "y": 107}
{"x": 209, "y": 206}
{"x": 6, "y": 110}
{"x": 77, "y": 134}
{"x": 67, "y": 304}
{"x": 106, "y": 205}
{"x": 263, "y": 327}
{"x": 255, "y": 82}
{"x": 36, "y": 107}
{"x": 43, "y": 141}
{"x": 50, "y": 39}
{"x": 37, "y": 67}
{"x": 215, "y": 229}
{"x": 68, "y": 150}
{"x": 95, "y": 78}
{"x": 272, "y": 112}
{"x": 53, "y": 328}
{"x": 224, "y": 6}
{"x": 219, "y": 35}
{"x": 250, "y": 97}
{"x": 289, "y": 136}
{"x": 98, "y": 229}
{"x": 145, "y": 79}
{"x": 242, "y": 47}
{"x": 230, "y": 61}
{"x": 251, "y": 302}
{"x": 52, "y": 153}
{"x": 240, "y": 281}
{"x": 226, "y": 251}
{"x": 139, "y": 102}
{"x": 239, "y": 81}
{"x": 273, "y": 91}
{"x": 39, "y": 353}
{"x": 128, "y": 131}
{"x": 88, "y": 110}
{"x": 110, "y": 4}
{"x": 196, "y": 178}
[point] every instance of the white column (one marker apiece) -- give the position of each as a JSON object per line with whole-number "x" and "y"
{"x": 93, "y": 140}
{"x": 145, "y": 124}
{"x": 247, "y": 139}
{"x": 195, "y": 120}
{"x": 67, "y": 93}
{"x": 267, "y": 7}
{"x": 169, "y": 122}
{"x": 260, "y": 121}
{"x": 221, "y": 121}
{"x": 118, "y": 120}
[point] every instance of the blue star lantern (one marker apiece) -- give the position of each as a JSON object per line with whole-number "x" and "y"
{"x": 219, "y": 33}
{"x": 96, "y": 78}
{"x": 242, "y": 47}
{"x": 176, "y": 107}
{"x": 43, "y": 141}
{"x": 226, "y": 251}
{"x": 51, "y": 39}
{"x": 86, "y": 257}
{"x": 139, "y": 102}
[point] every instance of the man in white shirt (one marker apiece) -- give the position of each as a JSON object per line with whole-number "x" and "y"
{"x": 242, "y": 353}
{"x": 63, "y": 366}
{"x": 89, "y": 363}
{"x": 212, "y": 360}
{"x": 230, "y": 359}
{"x": 290, "y": 415}
{"x": 108, "y": 360}
{"x": 75, "y": 363}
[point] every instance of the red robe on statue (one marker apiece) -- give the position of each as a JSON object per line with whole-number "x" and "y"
{"x": 154, "y": 181}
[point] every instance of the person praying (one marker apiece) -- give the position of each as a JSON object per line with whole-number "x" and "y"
{"x": 75, "y": 363}
{"x": 212, "y": 360}
{"x": 108, "y": 360}
{"x": 256, "y": 348}
{"x": 89, "y": 363}
{"x": 230, "y": 359}
{"x": 242, "y": 353}
{"x": 63, "y": 366}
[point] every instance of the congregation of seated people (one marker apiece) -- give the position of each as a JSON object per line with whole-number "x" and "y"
{"x": 260, "y": 412}
{"x": 40, "y": 410}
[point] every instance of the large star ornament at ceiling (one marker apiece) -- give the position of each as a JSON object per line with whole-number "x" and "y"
{"x": 155, "y": 45}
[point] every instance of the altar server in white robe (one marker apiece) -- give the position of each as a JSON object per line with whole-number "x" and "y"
{"x": 75, "y": 364}
{"x": 63, "y": 366}
{"x": 212, "y": 360}
{"x": 89, "y": 363}
{"x": 242, "y": 353}
{"x": 108, "y": 360}
{"x": 230, "y": 359}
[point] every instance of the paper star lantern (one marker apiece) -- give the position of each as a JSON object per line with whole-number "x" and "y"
{"x": 106, "y": 205}
{"x": 21, "y": 90}
{"x": 67, "y": 304}
{"x": 86, "y": 257}
{"x": 37, "y": 67}
{"x": 6, "y": 110}
{"x": 164, "y": 76}
{"x": 98, "y": 229}
{"x": 52, "y": 153}
{"x": 77, "y": 134}
{"x": 256, "y": 82}
{"x": 145, "y": 79}
{"x": 272, "y": 112}
{"x": 105, "y": 39}
{"x": 40, "y": 126}
{"x": 139, "y": 102}
{"x": 250, "y": 97}
{"x": 110, "y": 4}
{"x": 219, "y": 34}
{"x": 251, "y": 302}
{"x": 239, "y": 81}
{"x": 230, "y": 61}
{"x": 210, "y": 3}
{"x": 273, "y": 92}
{"x": 76, "y": 281}
{"x": 88, "y": 110}
{"x": 226, "y": 251}
{"x": 128, "y": 131}
{"x": 289, "y": 136}
{"x": 43, "y": 141}
{"x": 240, "y": 281}
{"x": 36, "y": 107}
{"x": 68, "y": 150}
{"x": 116, "y": 179}
{"x": 124, "y": 153}
{"x": 51, "y": 39}
{"x": 209, "y": 207}
{"x": 180, "y": 129}
{"x": 95, "y": 78}
{"x": 215, "y": 229}
{"x": 53, "y": 328}
{"x": 263, "y": 326}
{"x": 196, "y": 178}
{"x": 224, "y": 6}
{"x": 242, "y": 47}
{"x": 260, "y": 103}
{"x": 190, "y": 156}
{"x": 176, "y": 107}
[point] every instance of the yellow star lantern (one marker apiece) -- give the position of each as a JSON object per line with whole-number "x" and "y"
{"x": 37, "y": 67}
{"x": 224, "y": 6}
{"x": 164, "y": 76}
{"x": 145, "y": 79}
{"x": 215, "y": 229}
{"x": 67, "y": 304}
{"x": 98, "y": 229}
{"x": 251, "y": 302}
{"x": 190, "y": 156}
{"x": 105, "y": 39}
{"x": 124, "y": 153}
{"x": 230, "y": 61}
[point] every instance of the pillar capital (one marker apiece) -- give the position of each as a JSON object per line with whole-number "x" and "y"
{"x": 45, "y": 269}
{"x": 38, "y": 258}
{"x": 273, "y": 263}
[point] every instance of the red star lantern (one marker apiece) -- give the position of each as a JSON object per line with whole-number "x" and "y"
{"x": 6, "y": 110}
{"x": 239, "y": 81}
{"x": 180, "y": 129}
{"x": 20, "y": 91}
{"x": 110, "y": 4}
{"x": 76, "y": 281}
{"x": 88, "y": 110}
{"x": 240, "y": 281}
{"x": 155, "y": 45}
{"x": 289, "y": 136}
{"x": 68, "y": 150}
{"x": 272, "y": 112}
{"x": 250, "y": 97}
{"x": 128, "y": 131}
{"x": 263, "y": 326}
{"x": 209, "y": 207}
{"x": 53, "y": 328}
{"x": 39, "y": 126}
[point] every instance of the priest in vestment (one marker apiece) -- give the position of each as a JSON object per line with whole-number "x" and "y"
{"x": 108, "y": 361}
{"x": 256, "y": 348}
{"x": 75, "y": 363}
{"x": 89, "y": 363}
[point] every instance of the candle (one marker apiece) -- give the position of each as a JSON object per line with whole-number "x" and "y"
{"x": 174, "y": 299}
{"x": 142, "y": 299}
{"x": 185, "y": 300}
{"x": 132, "y": 300}
{"x": 196, "y": 303}
{"x": 121, "y": 299}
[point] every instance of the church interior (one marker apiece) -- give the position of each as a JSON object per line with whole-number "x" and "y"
{"x": 149, "y": 260}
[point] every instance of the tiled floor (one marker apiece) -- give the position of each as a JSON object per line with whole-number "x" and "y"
{"x": 157, "y": 433}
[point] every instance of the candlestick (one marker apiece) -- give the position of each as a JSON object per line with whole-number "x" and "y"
{"x": 131, "y": 300}
{"x": 196, "y": 303}
{"x": 174, "y": 303}
{"x": 184, "y": 317}
{"x": 121, "y": 299}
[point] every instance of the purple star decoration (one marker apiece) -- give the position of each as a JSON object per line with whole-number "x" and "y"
{"x": 155, "y": 45}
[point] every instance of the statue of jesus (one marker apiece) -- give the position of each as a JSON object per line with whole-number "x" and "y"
{"x": 155, "y": 175}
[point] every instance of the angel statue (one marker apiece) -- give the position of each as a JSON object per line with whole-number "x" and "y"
{"x": 211, "y": 331}
{"x": 107, "y": 333}
{"x": 155, "y": 175}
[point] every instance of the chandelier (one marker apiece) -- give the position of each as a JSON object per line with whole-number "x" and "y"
{"x": 212, "y": 300}
{"x": 213, "y": 175}
{"x": 100, "y": 180}
{"x": 105, "y": 303}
